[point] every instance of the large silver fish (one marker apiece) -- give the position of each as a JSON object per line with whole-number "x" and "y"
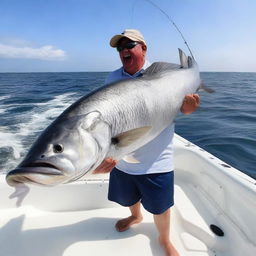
{"x": 112, "y": 122}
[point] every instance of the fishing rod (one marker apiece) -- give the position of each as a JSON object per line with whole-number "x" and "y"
{"x": 172, "y": 22}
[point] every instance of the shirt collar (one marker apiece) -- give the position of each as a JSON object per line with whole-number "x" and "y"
{"x": 145, "y": 66}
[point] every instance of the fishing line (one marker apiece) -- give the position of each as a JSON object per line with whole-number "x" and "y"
{"x": 172, "y": 22}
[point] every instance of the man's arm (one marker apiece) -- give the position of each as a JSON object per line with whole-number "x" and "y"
{"x": 106, "y": 166}
{"x": 190, "y": 104}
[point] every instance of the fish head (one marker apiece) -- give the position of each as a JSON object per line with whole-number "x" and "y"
{"x": 65, "y": 151}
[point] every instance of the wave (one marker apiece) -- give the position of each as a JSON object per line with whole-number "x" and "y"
{"x": 4, "y": 97}
{"x": 15, "y": 141}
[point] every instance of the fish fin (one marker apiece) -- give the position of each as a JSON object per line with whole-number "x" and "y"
{"x": 157, "y": 67}
{"x": 97, "y": 127}
{"x": 21, "y": 190}
{"x": 131, "y": 159}
{"x": 203, "y": 87}
{"x": 126, "y": 138}
{"x": 91, "y": 119}
{"x": 190, "y": 62}
{"x": 184, "y": 61}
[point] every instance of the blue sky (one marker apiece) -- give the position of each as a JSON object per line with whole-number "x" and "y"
{"x": 73, "y": 35}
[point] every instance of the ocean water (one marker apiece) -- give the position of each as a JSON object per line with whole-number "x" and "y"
{"x": 224, "y": 124}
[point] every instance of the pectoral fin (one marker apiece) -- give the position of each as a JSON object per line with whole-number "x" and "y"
{"x": 127, "y": 138}
{"x": 131, "y": 159}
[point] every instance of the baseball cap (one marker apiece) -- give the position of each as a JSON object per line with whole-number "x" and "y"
{"x": 132, "y": 34}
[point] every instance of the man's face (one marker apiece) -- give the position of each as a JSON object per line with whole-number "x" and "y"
{"x": 132, "y": 59}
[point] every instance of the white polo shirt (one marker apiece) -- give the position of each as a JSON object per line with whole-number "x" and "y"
{"x": 157, "y": 155}
{"x": 120, "y": 74}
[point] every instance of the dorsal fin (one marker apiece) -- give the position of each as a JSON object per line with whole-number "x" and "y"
{"x": 190, "y": 62}
{"x": 183, "y": 59}
{"x": 157, "y": 67}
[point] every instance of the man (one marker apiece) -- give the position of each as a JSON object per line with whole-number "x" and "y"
{"x": 149, "y": 182}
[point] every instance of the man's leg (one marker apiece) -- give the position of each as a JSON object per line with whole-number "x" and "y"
{"x": 135, "y": 218}
{"x": 162, "y": 222}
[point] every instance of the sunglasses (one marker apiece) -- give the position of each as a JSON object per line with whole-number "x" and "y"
{"x": 129, "y": 45}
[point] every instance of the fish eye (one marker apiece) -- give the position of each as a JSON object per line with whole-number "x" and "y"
{"x": 58, "y": 148}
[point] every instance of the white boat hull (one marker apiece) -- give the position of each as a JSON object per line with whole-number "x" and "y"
{"x": 77, "y": 219}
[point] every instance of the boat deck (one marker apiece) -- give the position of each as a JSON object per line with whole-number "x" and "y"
{"x": 31, "y": 231}
{"x": 77, "y": 219}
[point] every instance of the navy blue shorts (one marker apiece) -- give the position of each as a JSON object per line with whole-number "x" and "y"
{"x": 155, "y": 191}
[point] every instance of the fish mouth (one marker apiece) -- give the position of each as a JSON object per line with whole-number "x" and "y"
{"x": 36, "y": 173}
{"x": 42, "y": 165}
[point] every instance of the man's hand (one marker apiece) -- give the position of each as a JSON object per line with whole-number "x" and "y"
{"x": 106, "y": 166}
{"x": 190, "y": 104}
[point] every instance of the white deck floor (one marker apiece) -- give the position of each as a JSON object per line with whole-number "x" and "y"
{"x": 30, "y": 231}
{"x": 76, "y": 219}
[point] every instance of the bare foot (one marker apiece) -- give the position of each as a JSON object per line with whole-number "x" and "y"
{"x": 125, "y": 224}
{"x": 170, "y": 250}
